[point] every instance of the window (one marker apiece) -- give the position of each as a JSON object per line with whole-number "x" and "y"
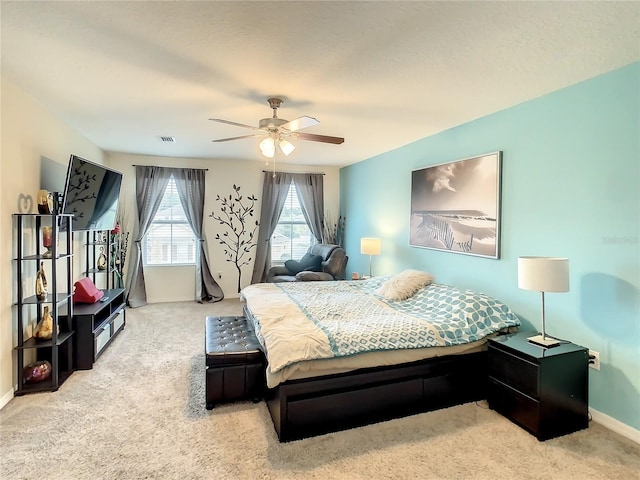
{"x": 169, "y": 240}
{"x": 292, "y": 236}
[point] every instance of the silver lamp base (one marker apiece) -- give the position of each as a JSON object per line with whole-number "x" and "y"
{"x": 544, "y": 341}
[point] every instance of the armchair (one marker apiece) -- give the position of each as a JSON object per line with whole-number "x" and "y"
{"x": 333, "y": 265}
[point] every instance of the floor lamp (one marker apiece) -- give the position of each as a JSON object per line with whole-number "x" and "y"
{"x": 543, "y": 274}
{"x": 371, "y": 247}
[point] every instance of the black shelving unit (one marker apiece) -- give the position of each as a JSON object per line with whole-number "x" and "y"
{"x": 110, "y": 243}
{"x": 58, "y": 351}
{"x": 96, "y": 325}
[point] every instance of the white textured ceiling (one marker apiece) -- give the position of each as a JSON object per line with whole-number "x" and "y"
{"x": 380, "y": 74}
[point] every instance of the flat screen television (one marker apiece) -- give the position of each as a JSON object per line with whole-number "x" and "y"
{"x": 91, "y": 194}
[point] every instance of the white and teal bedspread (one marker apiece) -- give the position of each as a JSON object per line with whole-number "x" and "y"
{"x": 302, "y": 321}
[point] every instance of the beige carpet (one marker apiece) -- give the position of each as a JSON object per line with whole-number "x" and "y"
{"x": 139, "y": 414}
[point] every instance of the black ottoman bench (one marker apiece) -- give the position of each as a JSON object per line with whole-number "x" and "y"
{"x": 235, "y": 363}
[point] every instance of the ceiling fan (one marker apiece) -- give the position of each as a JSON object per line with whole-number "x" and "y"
{"x": 278, "y": 131}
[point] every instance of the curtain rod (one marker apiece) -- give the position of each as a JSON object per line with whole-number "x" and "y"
{"x": 205, "y": 169}
{"x": 303, "y": 173}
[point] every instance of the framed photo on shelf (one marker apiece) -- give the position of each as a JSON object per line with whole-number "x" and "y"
{"x": 455, "y": 206}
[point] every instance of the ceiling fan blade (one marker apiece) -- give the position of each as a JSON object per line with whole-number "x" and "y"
{"x": 241, "y": 136}
{"x": 228, "y": 122}
{"x": 320, "y": 138}
{"x": 300, "y": 123}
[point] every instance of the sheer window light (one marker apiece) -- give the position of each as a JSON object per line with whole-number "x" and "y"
{"x": 169, "y": 240}
{"x": 292, "y": 236}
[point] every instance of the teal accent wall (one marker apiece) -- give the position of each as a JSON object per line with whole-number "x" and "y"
{"x": 570, "y": 188}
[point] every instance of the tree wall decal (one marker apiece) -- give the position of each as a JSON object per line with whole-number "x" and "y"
{"x": 239, "y": 237}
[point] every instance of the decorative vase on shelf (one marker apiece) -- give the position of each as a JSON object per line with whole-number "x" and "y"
{"x": 45, "y": 202}
{"x": 44, "y": 329}
{"x": 37, "y": 371}
{"x": 102, "y": 260}
{"x": 41, "y": 283}
{"x": 47, "y": 240}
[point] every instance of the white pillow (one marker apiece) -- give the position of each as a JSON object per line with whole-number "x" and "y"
{"x": 404, "y": 285}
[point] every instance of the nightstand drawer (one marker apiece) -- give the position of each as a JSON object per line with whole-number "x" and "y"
{"x": 515, "y": 371}
{"x": 523, "y": 410}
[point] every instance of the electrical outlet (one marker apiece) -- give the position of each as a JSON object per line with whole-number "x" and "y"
{"x": 594, "y": 359}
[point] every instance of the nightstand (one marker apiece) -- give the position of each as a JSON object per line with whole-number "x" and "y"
{"x": 544, "y": 390}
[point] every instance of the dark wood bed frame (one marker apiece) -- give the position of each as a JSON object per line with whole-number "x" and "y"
{"x": 315, "y": 406}
{"x": 307, "y": 407}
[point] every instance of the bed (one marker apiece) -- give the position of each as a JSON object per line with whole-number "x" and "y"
{"x": 349, "y": 353}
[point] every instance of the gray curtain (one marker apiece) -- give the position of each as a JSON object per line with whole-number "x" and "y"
{"x": 190, "y": 184}
{"x": 151, "y": 183}
{"x": 311, "y": 197}
{"x": 275, "y": 188}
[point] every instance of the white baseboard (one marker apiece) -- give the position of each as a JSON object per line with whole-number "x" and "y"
{"x": 6, "y": 398}
{"x": 615, "y": 425}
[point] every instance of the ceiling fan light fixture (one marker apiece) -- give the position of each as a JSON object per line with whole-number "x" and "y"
{"x": 277, "y": 128}
{"x": 268, "y": 147}
{"x": 286, "y": 146}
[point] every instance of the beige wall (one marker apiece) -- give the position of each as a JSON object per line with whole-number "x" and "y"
{"x": 29, "y": 132}
{"x": 171, "y": 284}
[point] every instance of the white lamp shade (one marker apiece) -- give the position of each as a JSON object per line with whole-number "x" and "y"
{"x": 370, "y": 246}
{"x": 543, "y": 274}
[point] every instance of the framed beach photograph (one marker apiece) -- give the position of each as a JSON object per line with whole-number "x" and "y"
{"x": 455, "y": 206}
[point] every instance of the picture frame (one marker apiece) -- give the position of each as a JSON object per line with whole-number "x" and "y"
{"x": 455, "y": 206}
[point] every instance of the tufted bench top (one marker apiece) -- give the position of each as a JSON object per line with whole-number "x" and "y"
{"x": 230, "y": 341}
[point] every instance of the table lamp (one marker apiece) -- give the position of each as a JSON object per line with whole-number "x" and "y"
{"x": 371, "y": 247}
{"x": 543, "y": 274}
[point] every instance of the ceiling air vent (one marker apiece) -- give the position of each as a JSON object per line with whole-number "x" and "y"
{"x": 168, "y": 139}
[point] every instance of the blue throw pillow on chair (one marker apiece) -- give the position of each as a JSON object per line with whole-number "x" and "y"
{"x": 309, "y": 263}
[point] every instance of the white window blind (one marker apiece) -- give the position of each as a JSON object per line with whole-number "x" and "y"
{"x": 292, "y": 236}
{"x": 169, "y": 240}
